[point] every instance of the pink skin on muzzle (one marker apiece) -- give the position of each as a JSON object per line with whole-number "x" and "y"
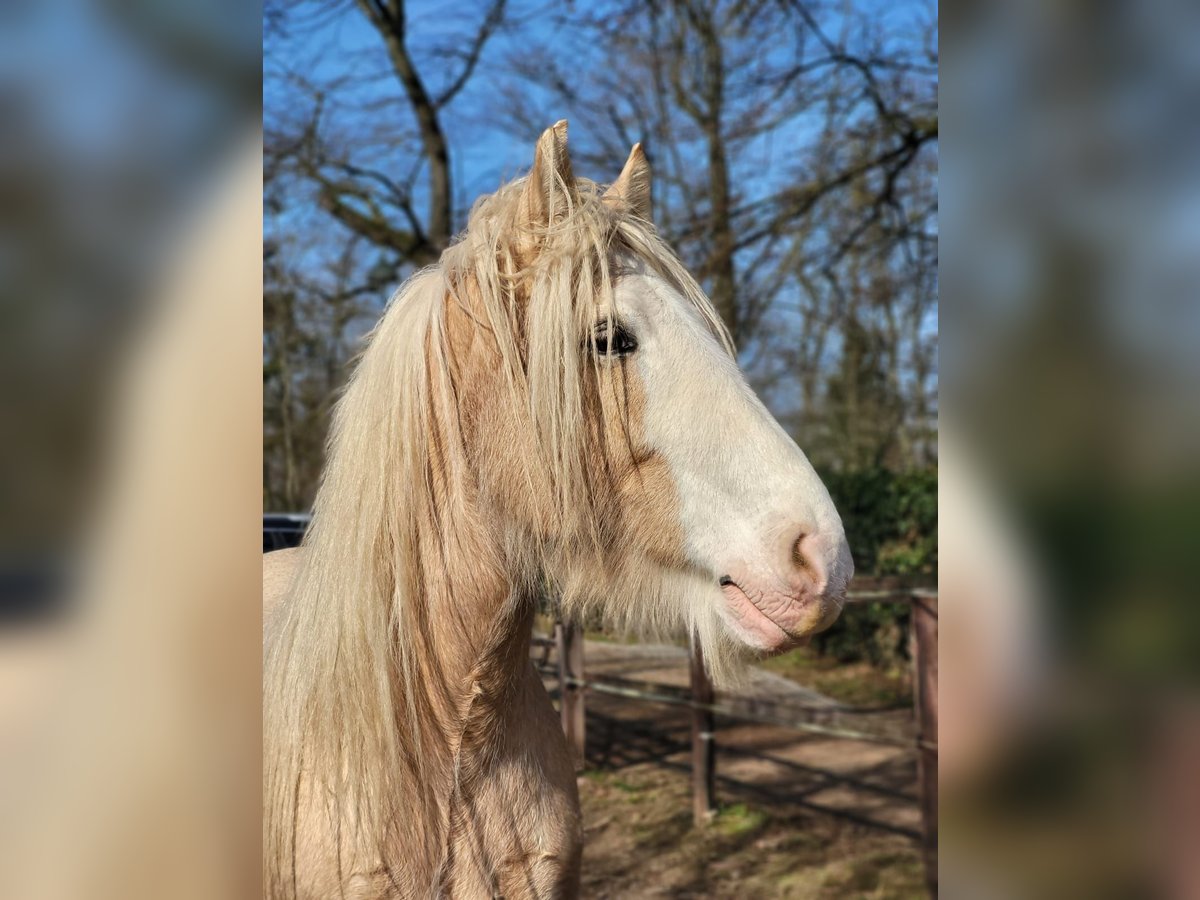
{"x": 775, "y": 608}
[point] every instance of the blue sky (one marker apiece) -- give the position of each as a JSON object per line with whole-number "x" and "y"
{"x": 484, "y": 156}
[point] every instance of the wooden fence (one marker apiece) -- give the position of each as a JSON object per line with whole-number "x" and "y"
{"x": 706, "y": 705}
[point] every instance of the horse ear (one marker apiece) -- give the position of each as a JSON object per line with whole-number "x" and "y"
{"x": 550, "y": 188}
{"x": 632, "y": 187}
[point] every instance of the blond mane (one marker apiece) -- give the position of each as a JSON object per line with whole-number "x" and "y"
{"x": 351, "y": 698}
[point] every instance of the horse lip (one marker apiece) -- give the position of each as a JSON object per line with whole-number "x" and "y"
{"x": 727, "y": 582}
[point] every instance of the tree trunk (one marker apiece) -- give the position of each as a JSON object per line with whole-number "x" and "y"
{"x": 390, "y": 23}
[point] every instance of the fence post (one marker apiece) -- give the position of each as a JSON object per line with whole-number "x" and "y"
{"x": 704, "y": 747}
{"x": 569, "y": 642}
{"x": 925, "y": 681}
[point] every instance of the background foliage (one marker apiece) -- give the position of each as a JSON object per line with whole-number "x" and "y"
{"x": 891, "y": 524}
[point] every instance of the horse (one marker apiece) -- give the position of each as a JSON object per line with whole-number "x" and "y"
{"x": 555, "y": 406}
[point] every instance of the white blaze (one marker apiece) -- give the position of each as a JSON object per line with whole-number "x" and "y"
{"x": 746, "y": 491}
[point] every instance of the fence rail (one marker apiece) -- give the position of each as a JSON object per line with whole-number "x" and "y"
{"x": 705, "y": 705}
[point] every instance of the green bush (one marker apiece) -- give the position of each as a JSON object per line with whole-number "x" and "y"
{"x": 890, "y": 519}
{"x": 891, "y": 525}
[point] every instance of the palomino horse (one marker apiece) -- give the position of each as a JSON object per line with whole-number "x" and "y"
{"x": 554, "y": 405}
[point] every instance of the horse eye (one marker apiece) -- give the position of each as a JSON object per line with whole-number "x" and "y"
{"x": 618, "y": 342}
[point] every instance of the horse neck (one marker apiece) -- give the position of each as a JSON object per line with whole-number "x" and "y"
{"x": 475, "y": 641}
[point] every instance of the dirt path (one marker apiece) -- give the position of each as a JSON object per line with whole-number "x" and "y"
{"x": 801, "y": 815}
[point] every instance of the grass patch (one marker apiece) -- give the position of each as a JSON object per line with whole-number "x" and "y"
{"x": 854, "y": 684}
{"x": 641, "y": 843}
{"x": 739, "y": 819}
{"x": 611, "y": 780}
{"x": 877, "y": 875}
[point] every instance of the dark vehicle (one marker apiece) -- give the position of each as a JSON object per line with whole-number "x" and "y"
{"x": 281, "y": 530}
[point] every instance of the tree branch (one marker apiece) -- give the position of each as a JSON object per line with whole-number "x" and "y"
{"x": 389, "y": 21}
{"x": 491, "y": 21}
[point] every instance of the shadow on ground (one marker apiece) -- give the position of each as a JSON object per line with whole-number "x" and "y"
{"x": 800, "y": 816}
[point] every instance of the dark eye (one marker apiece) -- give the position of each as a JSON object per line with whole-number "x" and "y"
{"x": 618, "y": 341}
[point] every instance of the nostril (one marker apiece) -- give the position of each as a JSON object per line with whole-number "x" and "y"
{"x": 807, "y": 559}
{"x": 725, "y": 581}
{"x": 798, "y": 557}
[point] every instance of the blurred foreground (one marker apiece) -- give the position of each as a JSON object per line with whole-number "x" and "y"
{"x": 130, "y": 271}
{"x": 1070, "y": 471}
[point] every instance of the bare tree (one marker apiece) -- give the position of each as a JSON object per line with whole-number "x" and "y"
{"x": 357, "y": 193}
{"x": 794, "y": 148}
{"x": 370, "y": 178}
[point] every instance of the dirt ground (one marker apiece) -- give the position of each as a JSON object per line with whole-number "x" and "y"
{"x": 800, "y": 816}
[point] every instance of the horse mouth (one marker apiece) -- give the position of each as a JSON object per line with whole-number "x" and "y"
{"x": 752, "y": 623}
